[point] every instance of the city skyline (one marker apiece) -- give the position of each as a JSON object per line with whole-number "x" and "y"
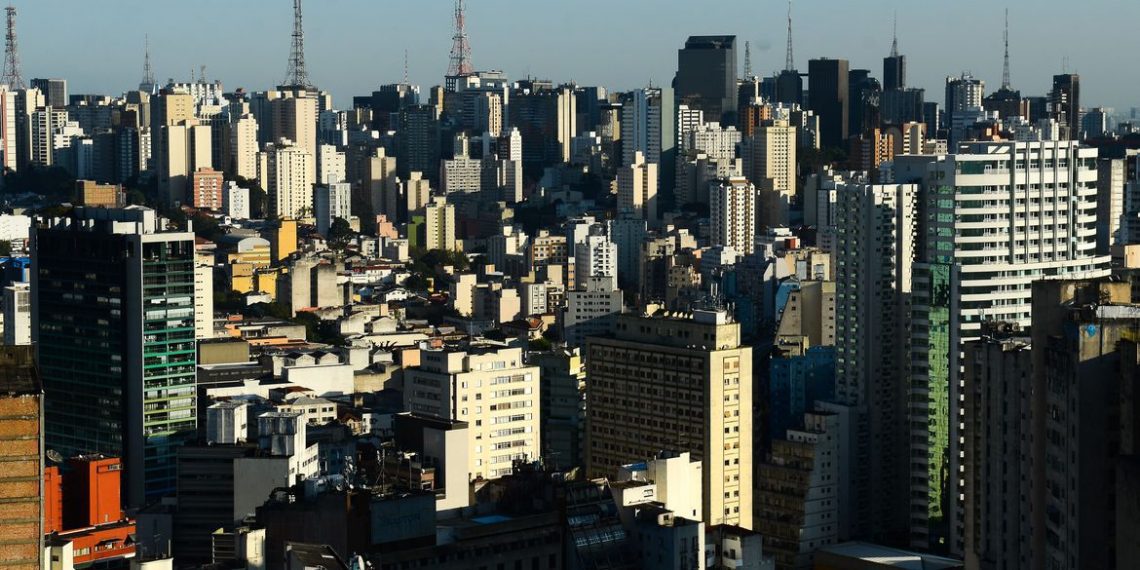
{"x": 373, "y": 59}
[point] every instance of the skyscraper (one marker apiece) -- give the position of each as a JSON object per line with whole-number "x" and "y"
{"x": 1065, "y": 102}
{"x": 877, "y": 227}
{"x": 894, "y": 69}
{"x": 706, "y": 76}
{"x": 678, "y": 383}
{"x": 637, "y": 189}
{"x": 113, "y": 322}
{"x": 827, "y": 89}
{"x": 732, "y": 208}
{"x": 54, "y": 90}
{"x": 985, "y": 243}
{"x": 285, "y": 172}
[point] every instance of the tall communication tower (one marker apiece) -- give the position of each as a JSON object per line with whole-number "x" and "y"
{"x": 147, "y": 84}
{"x": 297, "y": 76}
{"x": 460, "y": 48}
{"x": 1005, "y": 82}
{"x": 790, "y": 64}
{"x": 747, "y": 60}
{"x": 12, "y": 77}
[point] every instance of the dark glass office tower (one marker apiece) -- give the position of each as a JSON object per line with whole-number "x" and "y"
{"x": 827, "y": 96}
{"x": 113, "y": 324}
{"x": 894, "y": 72}
{"x": 1065, "y": 101}
{"x": 864, "y": 94}
{"x": 706, "y": 77}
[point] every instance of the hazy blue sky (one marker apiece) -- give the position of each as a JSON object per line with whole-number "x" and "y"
{"x": 354, "y": 45}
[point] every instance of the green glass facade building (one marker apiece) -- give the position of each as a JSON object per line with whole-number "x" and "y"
{"x": 113, "y": 323}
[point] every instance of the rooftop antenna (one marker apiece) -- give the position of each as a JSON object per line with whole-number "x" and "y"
{"x": 202, "y": 73}
{"x": 1005, "y": 83}
{"x": 12, "y": 77}
{"x": 747, "y": 59}
{"x": 148, "y": 72}
{"x": 460, "y": 47}
{"x": 297, "y": 75}
{"x": 406, "y": 67}
{"x": 790, "y": 64}
{"x": 895, "y": 35}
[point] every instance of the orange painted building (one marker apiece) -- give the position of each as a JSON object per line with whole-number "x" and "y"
{"x": 92, "y": 491}
{"x": 83, "y": 516}
{"x": 53, "y": 500}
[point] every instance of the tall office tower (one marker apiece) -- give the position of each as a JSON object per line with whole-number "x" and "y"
{"x": 439, "y": 224}
{"x": 9, "y": 146}
{"x": 44, "y": 122}
{"x": 898, "y": 106}
{"x": 1065, "y": 102}
{"x": 732, "y": 207}
{"x": 54, "y": 90}
{"x": 642, "y": 112}
{"x": 595, "y": 256}
{"x": 637, "y": 189}
{"x": 798, "y": 488}
{"x": 770, "y": 154}
{"x": 1110, "y": 202}
{"x": 284, "y": 171}
{"x": 874, "y": 252}
{"x": 864, "y": 96}
{"x": 676, "y": 382}
{"x": 1083, "y": 425}
{"x": 999, "y": 215}
{"x": 964, "y": 97}
{"x": 17, "y": 314}
{"x": 243, "y": 146}
{"x": 113, "y": 321}
{"x": 827, "y": 86}
{"x": 997, "y": 390}
{"x": 490, "y": 388}
{"x": 547, "y": 122}
{"x": 331, "y": 201}
{"x": 488, "y": 113}
{"x": 22, "y": 452}
{"x": 417, "y": 141}
{"x": 27, "y": 102}
{"x": 295, "y": 118}
{"x": 706, "y": 76}
{"x": 894, "y": 68}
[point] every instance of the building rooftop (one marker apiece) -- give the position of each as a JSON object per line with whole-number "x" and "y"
{"x": 18, "y": 373}
{"x": 887, "y": 557}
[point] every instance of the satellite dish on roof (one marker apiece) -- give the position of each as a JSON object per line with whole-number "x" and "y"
{"x": 54, "y": 456}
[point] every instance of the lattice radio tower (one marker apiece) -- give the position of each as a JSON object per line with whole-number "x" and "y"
{"x": 790, "y": 64}
{"x": 12, "y": 77}
{"x": 297, "y": 75}
{"x": 1005, "y": 82}
{"x": 460, "y": 47}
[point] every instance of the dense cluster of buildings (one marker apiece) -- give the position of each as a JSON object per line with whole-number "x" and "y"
{"x": 735, "y": 322}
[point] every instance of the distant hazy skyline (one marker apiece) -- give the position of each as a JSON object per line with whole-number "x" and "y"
{"x": 352, "y": 46}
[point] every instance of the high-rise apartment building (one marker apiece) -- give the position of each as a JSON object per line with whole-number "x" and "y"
{"x": 206, "y": 189}
{"x": 1110, "y": 201}
{"x": 22, "y": 452}
{"x": 439, "y": 224}
{"x": 285, "y": 174}
{"x": 676, "y": 382}
{"x": 243, "y": 146}
{"x": 113, "y": 321}
{"x": 493, "y": 391}
{"x": 706, "y": 76}
{"x": 999, "y": 215}
{"x": 637, "y": 189}
{"x": 595, "y": 256}
{"x": 331, "y": 201}
{"x": 295, "y": 118}
{"x": 770, "y": 153}
{"x": 876, "y": 227}
{"x": 17, "y": 314}
{"x": 591, "y": 309}
{"x": 732, "y": 209}
{"x": 827, "y": 85}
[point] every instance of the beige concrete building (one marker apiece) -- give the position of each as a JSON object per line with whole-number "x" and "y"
{"x": 91, "y": 193}
{"x": 732, "y": 207}
{"x": 286, "y": 171}
{"x": 179, "y": 151}
{"x": 243, "y": 146}
{"x": 295, "y": 118}
{"x": 439, "y": 224}
{"x": 771, "y": 153}
{"x": 680, "y": 382}
{"x": 637, "y": 188}
{"x": 492, "y": 390}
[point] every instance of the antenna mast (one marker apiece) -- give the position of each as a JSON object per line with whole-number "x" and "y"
{"x": 148, "y": 82}
{"x": 747, "y": 60}
{"x": 895, "y": 35}
{"x": 1005, "y": 82}
{"x": 297, "y": 75}
{"x": 12, "y": 77}
{"x": 460, "y": 47}
{"x": 790, "y": 65}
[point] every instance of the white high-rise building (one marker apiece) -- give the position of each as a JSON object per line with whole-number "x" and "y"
{"x": 641, "y": 127}
{"x": 8, "y": 137}
{"x": 330, "y": 165}
{"x": 285, "y": 172}
{"x": 771, "y": 153}
{"x": 732, "y": 209}
{"x": 493, "y": 390}
{"x": 637, "y": 189}
{"x": 594, "y": 256}
{"x": 999, "y": 216}
{"x": 873, "y": 254}
{"x": 235, "y": 201}
{"x": 17, "y": 314}
{"x": 331, "y": 201}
